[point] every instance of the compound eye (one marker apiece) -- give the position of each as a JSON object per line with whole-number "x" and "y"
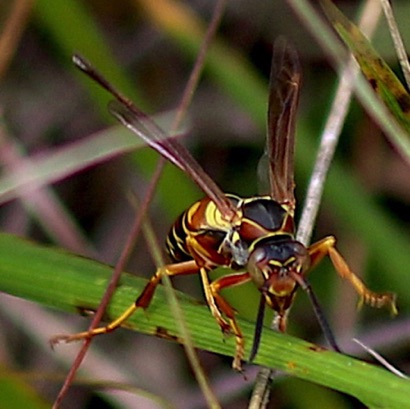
{"x": 257, "y": 260}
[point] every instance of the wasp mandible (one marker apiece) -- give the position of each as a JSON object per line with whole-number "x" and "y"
{"x": 254, "y": 236}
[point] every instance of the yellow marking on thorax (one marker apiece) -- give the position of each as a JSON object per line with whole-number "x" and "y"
{"x": 211, "y": 217}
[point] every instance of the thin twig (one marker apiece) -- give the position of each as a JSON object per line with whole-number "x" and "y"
{"x": 397, "y": 40}
{"x": 328, "y": 143}
{"x": 12, "y": 30}
{"x": 383, "y": 361}
{"x": 119, "y": 268}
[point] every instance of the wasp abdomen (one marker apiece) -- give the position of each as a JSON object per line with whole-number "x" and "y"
{"x": 201, "y": 233}
{"x": 176, "y": 239}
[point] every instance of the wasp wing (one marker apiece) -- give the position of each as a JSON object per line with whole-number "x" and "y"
{"x": 145, "y": 128}
{"x": 284, "y": 87}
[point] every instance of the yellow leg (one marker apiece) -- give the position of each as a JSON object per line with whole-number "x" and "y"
{"x": 113, "y": 325}
{"x": 325, "y": 247}
{"x": 143, "y": 301}
{"x": 221, "y": 309}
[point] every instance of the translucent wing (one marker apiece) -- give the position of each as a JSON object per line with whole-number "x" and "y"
{"x": 285, "y": 78}
{"x": 144, "y": 127}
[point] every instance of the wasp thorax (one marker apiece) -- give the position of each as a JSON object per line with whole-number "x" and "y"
{"x": 274, "y": 261}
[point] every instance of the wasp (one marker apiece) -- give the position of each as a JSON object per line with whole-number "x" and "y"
{"x": 254, "y": 237}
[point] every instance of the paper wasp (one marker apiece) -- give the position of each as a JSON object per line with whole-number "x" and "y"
{"x": 253, "y": 236}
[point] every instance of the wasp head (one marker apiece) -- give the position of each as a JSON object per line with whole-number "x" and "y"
{"x": 275, "y": 263}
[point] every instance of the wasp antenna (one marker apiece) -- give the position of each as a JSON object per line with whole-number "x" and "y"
{"x": 320, "y": 316}
{"x": 258, "y": 329}
{"x": 324, "y": 324}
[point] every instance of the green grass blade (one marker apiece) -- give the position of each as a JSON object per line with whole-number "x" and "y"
{"x": 60, "y": 280}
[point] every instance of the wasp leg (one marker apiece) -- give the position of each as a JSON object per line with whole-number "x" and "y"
{"x": 327, "y": 246}
{"x": 221, "y": 309}
{"x": 143, "y": 301}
